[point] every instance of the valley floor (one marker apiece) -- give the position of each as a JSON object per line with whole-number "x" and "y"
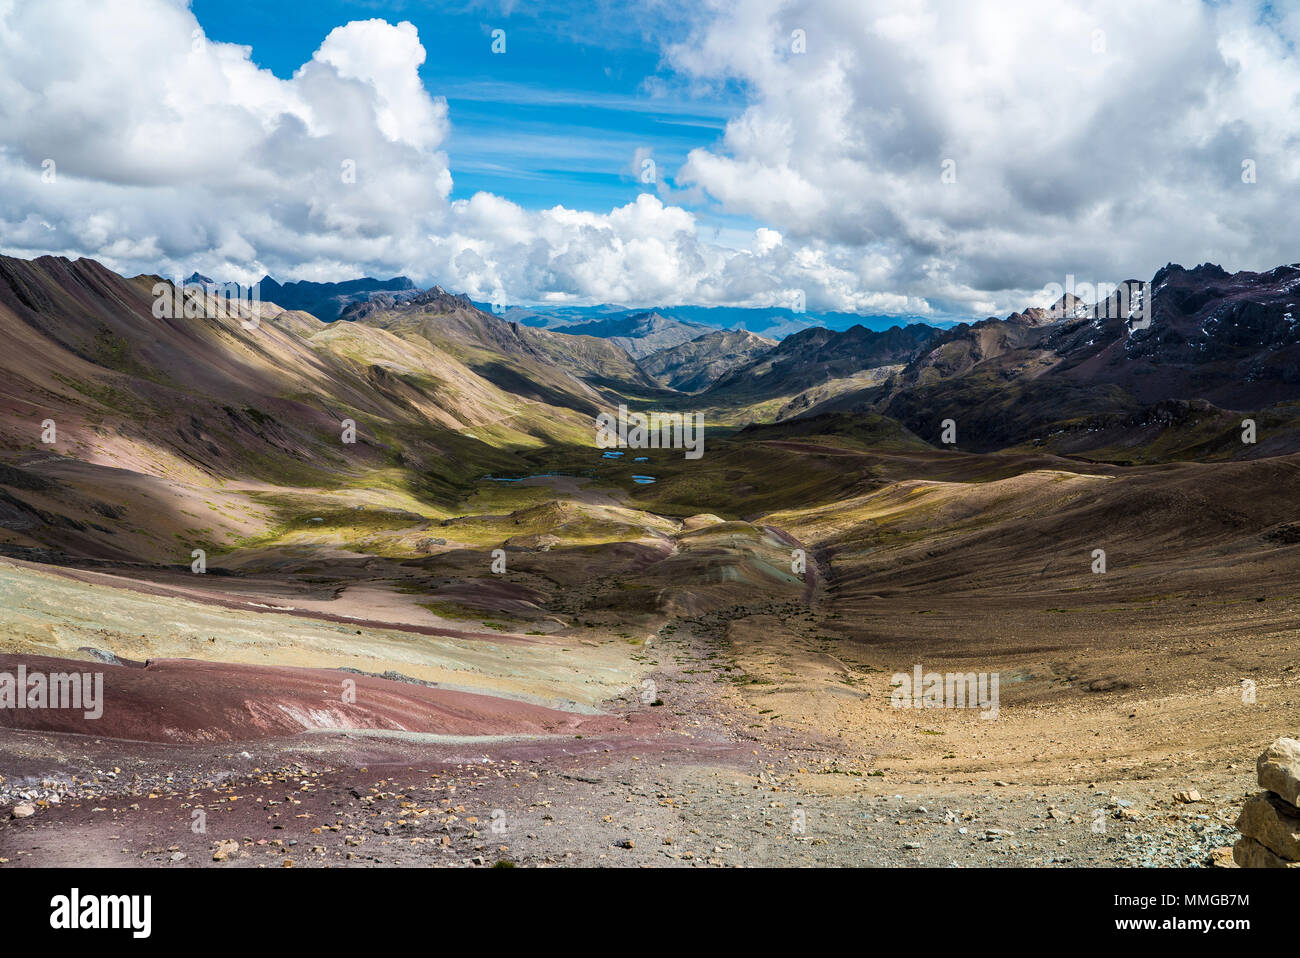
{"x": 673, "y": 695}
{"x": 715, "y": 788}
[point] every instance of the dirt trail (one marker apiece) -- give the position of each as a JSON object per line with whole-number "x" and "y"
{"x": 721, "y": 787}
{"x": 744, "y": 728}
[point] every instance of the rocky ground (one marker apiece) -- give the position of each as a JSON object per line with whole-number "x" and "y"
{"x": 669, "y": 693}
{"x": 715, "y": 791}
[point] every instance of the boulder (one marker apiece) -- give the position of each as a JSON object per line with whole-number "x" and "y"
{"x": 1273, "y": 823}
{"x": 1279, "y": 770}
{"x": 1249, "y": 853}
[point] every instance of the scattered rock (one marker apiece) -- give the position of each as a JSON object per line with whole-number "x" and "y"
{"x": 25, "y": 810}
{"x": 1187, "y": 797}
{"x": 226, "y": 848}
{"x": 1222, "y": 858}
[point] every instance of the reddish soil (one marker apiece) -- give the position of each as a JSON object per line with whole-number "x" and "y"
{"x": 186, "y": 700}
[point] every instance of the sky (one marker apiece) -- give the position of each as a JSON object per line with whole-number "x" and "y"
{"x": 557, "y": 117}
{"x": 945, "y": 158}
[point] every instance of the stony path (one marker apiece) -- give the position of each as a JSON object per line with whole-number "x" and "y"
{"x": 720, "y": 795}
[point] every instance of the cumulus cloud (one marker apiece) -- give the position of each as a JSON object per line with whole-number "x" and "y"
{"x": 1093, "y": 137}
{"x": 130, "y": 136}
{"x": 642, "y": 253}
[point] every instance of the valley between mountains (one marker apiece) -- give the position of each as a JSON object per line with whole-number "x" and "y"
{"x": 471, "y": 637}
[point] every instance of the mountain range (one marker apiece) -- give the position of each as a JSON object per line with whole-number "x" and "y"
{"x": 1078, "y": 378}
{"x": 327, "y": 300}
{"x": 639, "y": 334}
{"x": 434, "y": 377}
{"x": 413, "y": 493}
{"x": 772, "y": 322}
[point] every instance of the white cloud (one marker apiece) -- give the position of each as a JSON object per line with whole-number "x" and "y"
{"x": 1098, "y": 137}
{"x": 644, "y": 252}
{"x": 386, "y": 58}
{"x": 766, "y": 240}
{"x": 174, "y": 152}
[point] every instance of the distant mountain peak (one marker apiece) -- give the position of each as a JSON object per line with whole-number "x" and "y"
{"x": 328, "y": 301}
{"x": 640, "y": 334}
{"x": 695, "y": 365}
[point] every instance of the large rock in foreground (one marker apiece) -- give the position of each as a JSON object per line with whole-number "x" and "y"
{"x": 1249, "y": 853}
{"x": 1279, "y": 770}
{"x": 1270, "y": 822}
{"x": 1273, "y": 823}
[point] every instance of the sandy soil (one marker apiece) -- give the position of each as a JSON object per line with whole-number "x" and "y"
{"x": 698, "y": 703}
{"x": 710, "y": 785}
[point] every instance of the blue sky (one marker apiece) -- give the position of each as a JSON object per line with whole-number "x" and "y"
{"x": 557, "y": 119}
{"x": 903, "y": 157}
